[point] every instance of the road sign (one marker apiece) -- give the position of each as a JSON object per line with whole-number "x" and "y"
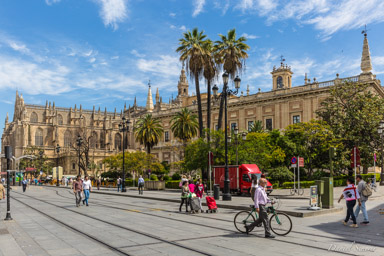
{"x": 293, "y": 165}
{"x": 355, "y": 155}
{"x": 294, "y": 160}
{"x": 301, "y": 161}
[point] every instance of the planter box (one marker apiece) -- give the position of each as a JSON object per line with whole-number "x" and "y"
{"x": 154, "y": 185}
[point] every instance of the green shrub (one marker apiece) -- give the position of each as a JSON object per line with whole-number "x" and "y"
{"x": 176, "y": 176}
{"x": 317, "y": 175}
{"x": 303, "y": 184}
{"x": 166, "y": 178}
{"x": 172, "y": 184}
{"x": 153, "y": 177}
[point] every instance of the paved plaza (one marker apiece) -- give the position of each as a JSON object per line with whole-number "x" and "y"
{"x": 46, "y": 222}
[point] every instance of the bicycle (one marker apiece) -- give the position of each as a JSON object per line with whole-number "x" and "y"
{"x": 279, "y": 222}
{"x": 299, "y": 191}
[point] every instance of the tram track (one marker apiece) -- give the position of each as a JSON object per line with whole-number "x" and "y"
{"x": 215, "y": 227}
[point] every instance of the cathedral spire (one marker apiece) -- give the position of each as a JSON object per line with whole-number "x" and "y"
{"x": 157, "y": 95}
{"x": 149, "y": 105}
{"x": 366, "y": 64}
{"x": 125, "y": 106}
{"x": 134, "y": 103}
{"x": 6, "y": 119}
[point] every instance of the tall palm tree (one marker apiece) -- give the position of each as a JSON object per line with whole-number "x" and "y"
{"x": 231, "y": 54}
{"x": 210, "y": 71}
{"x": 148, "y": 131}
{"x": 257, "y": 127}
{"x": 191, "y": 51}
{"x": 184, "y": 125}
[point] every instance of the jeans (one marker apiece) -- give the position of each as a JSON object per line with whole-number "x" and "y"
{"x": 363, "y": 209}
{"x": 186, "y": 201}
{"x": 78, "y": 198}
{"x": 200, "y": 199}
{"x": 263, "y": 217}
{"x": 118, "y": 187}
{"x": 141, "y": 189}
{"x": 24, "y": 187}
{"x": 350, "y": 214}
{"x": 86, "y": 196}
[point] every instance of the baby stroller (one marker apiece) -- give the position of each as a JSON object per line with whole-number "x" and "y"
{"x": 195, "y": 206}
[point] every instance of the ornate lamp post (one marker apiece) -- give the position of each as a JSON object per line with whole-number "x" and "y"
{"x": 226, "y": 93}
{"x": 380, "y": 130}
{"x": 79, "y": 142}
{"x": 124, "y": 127}
{"x": 57, "y": 164}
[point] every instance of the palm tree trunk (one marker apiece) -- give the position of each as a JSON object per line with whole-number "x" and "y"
{"x": 221, "y": 110}
{"x": 209, "y": 112}
{"x": 148, "y": 148}
{"x": 199, "y": 109}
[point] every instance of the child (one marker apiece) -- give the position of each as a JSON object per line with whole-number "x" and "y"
{"x": 199, "y": 191}
{"x": 351, "y": 194}
{"x": 184, "y": 196}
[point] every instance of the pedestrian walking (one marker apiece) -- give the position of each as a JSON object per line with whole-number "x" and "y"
{"x": 118, "y": 184}
{"x": 24, "y": 183}
{"x": 364, "y": 192}
{"x": 66, "y": 181}
{"x": 260, "y": 201}
{"x": 350, "y": 194}
{"x": 199, "y": 191}
{"x": 191, "y": 186}
{"x": 87, "y": 188}
{"x": 2, "y": 190}
{"x": 78, "y": 189}
{"x": 184, "y": 196}
{"x": 98, "y": 183}
{"x": 183, "y": 178}
{"x": 141, "y": 185}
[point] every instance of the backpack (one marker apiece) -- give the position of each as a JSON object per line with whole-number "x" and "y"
{"x": 367, "y": 190}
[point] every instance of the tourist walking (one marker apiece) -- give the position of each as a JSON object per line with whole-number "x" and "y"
{"x": 350, "y": 194}
{"x": 199, "y": 191}
{"x": 2, "y": 190}
{"x": 98, "y": 183}
{"x": 78, "y": 189}
{"x": 184, "y": 196}
{"x": 364, "y": 192}
{"x": 260, "y": 201}
{"x": 87, "y": 188}
{"x": 141, "y": 185}
{"x": 191, "y": 186}
{"x": 24, "y": 183}
{"x": 118, "y": 184}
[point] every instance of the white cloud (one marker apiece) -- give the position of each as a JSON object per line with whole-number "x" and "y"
{"x": 165, "y": 66}
{"x": 182, "y": 28}
{"x": 50, "y": 2}
{"x": 198, "y": 7}
{"x": 137, "y": 54}
{"x": 19, "y": 47}
{"x": 92, "y": 60}
{"x": 114, "y": 57}
{"x": 248, "y": 36}
{"x": 172, "y": 14}
{"x": 113, "y": 12}
{"x": 261, "y": 6}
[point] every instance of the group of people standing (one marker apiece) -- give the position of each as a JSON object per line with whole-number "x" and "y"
{"x": 188, "y": 188}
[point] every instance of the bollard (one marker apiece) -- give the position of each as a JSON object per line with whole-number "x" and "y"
{"x": 8, "y": 155}
{"x": 216, "y": 191}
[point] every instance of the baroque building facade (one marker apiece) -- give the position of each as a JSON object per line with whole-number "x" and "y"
{"x": 46, "y": 126}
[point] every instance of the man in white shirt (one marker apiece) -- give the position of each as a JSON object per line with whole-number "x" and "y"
{"x": 141, "y": 185}
{"x": 87, "y": 187}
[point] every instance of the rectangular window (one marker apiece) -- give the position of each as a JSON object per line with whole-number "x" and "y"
{"x": 268, "y": 124}
{"x": 233, "y": 126}
{"x": 250, "y": 125}
{"x": 73, "y": 166}
{"x": 217, "y": 127}
{"x": 296, "y": 119}
{"x": 166, "y": 136}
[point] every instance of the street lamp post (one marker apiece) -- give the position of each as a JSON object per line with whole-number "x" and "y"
{"x": 79, "y": 142}
{"x": 57, "y": 164}
{"x": 380, "y": 130}
{"x": 226, "y": 93}
{"x": 124, "y": 127}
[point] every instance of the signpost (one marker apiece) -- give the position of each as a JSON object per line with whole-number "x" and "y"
{"x": 313, "y": 199}
{"x": 294, "y": 165}
{"x": 355, "y": 159}
{"x": 210, "y": 163}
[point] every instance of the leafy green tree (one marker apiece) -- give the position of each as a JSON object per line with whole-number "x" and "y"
{"x": 148, "y": 131}
{"x": 39, "y": 161}
{"x": 230, "y": 52}
{"x": 184, "y": 125}
{"x": 192, "y": 52}
{"x": 280, "y": 174}
{"x": 353, "y": 112}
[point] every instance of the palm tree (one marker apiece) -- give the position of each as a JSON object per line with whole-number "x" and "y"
{"x": 148, "y": 131}
{"x": 257, "y": 127}
{"x": 184, "y": 125}
{"x": 210, "y": 71}
{"x": 192, "y": 53}
{"x": 231, "y": 54}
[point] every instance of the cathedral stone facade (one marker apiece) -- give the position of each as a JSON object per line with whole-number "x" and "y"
{"x": 48, "y": 126}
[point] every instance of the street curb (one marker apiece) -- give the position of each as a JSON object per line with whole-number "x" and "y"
{"x": 224, "y": 206}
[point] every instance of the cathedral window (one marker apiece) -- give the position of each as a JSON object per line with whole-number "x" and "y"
{"x": 39, "y": 137}
{"x": 166, "y": 136}
{"x": 59, "y": 119}
{"x": 67, "y": 139}
{"x": 34, "y": 118}
{"x": 118, "y": 142}
{"x": 102, "y": 140}
{"x": 233, "y": 126}
{"x": 296, "y": 119}
{"x": 93, "y": 140}
{"x": 268, "y": 124}
{"x": 250, "y": 125}
{"x": 73, "y": 166}
{"x": 279, "y": 82}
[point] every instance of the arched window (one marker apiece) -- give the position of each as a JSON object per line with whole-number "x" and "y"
{"x": 279, "y": 82}
{"x": 93, "y": 140}
{"x": 67, "y": 139}
{"x": 102, "y": 139}
{"x": 118, "y": 145}
{"x": 59, "y": 119}
{"x": 34, "y": 118}
{"x": 39, "y": 137}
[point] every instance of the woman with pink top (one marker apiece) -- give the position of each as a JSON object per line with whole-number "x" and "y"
{"x": 199, "y": 191}
{"x": 191, "y": 186}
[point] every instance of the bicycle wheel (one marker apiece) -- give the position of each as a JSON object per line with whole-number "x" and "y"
{"x": 243, "y": 218}
{"x": 280, "y": 224}
{"x": 293, "y": 191}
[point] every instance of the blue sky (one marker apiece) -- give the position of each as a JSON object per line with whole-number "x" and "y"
{"x": 103, "y": 52}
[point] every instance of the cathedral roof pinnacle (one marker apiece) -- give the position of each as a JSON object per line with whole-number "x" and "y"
{"x": 157, "y": 95}
{"x": 149, "y": 105}
{"x": 366, "y": 64}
